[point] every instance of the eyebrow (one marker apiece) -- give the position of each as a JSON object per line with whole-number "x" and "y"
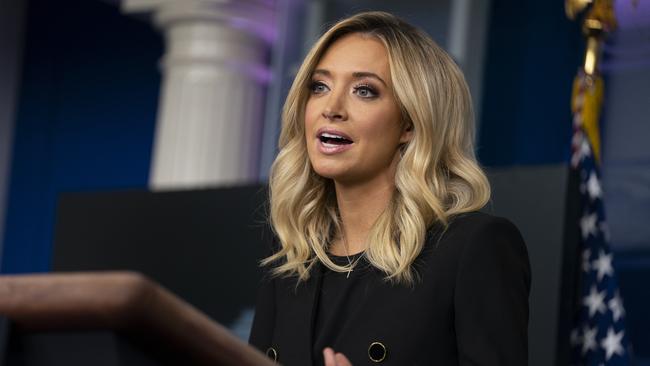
{"x": 356, "y": 75}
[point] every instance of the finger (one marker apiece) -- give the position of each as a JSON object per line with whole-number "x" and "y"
{"x": 341, "y": 360}
{"x": 328, "y": 355}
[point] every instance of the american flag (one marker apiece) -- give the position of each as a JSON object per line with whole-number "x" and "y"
{"x": 598, "y": 336}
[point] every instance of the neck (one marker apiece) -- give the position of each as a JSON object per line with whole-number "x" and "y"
{"x": 360, "y": 205}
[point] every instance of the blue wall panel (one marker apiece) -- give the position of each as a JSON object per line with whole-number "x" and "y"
{"x": 533, "y": 53}
{"x": 85, "y": 118}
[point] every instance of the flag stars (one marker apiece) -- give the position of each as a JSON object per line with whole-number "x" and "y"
{"x": 585, "y": 149}
{"x": 580, "y": 145}
{"x": 595, "y": 301}
{"x": 616, "y": 306}
{"x": 593, "y": 186}
{"x": 612, "y": 343}
{"x": 589, "y": 339}
{"x": 603, "y": 265}
{"x": 588, "y": 225}
{"x": 598, "y": 334}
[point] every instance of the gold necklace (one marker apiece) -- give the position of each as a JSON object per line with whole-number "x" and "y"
{"x": 351, "y": 264}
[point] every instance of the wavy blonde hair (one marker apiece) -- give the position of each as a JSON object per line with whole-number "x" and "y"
{"x": 437, "y": 177}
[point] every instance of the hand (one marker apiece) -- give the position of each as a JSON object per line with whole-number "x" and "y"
{"x": 335, "y": 359}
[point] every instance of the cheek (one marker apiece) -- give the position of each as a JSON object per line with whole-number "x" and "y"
{"x": 383, "y": 131}
{"x": 310, "y": 125}
{"x": 311, "y": 117}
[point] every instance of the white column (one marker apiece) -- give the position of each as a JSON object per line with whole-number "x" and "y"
{"x": 214, "y": 78}
{"x": 468, "y": 29}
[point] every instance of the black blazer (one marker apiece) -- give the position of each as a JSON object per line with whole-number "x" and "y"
{"x": 470, "y": 306}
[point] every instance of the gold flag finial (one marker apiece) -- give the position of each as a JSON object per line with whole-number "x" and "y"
{"x": 575, "y": 7}
{"x": 598, "y": 20}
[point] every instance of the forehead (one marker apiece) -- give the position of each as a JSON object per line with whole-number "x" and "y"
{"x": 356, "y": 53}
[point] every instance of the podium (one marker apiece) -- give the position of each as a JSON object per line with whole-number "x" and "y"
{"x": 109, "y": 318}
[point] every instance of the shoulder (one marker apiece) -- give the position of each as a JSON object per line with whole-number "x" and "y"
{"x": 476, "y": 230}
{"x": 480, "y": 241}
{"x": 488, "y": 247}
{"x": 491, "y": 288}
{"x": 473, "y": 223}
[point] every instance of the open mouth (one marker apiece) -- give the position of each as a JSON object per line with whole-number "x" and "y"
{"x": 333, "y": 139}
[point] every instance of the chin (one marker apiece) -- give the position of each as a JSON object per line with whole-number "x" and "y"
{"x": 328, "y": 173}
{"x": 331, "y": 171}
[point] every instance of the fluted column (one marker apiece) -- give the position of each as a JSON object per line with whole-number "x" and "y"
{"x": 214, "y": 78}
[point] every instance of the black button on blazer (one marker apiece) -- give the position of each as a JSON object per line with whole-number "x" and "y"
{"x": 470, "y": 306}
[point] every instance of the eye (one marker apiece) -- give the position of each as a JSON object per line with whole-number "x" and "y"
{"x": 365, "y": 91}
{"x": 318, "y": 87}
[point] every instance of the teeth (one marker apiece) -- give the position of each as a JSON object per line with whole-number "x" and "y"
{"x": 331, "y": 136}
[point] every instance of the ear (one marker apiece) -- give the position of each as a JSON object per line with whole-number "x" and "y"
{"x": 407, "y": 133}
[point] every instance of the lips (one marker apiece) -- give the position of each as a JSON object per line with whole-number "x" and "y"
{"x": 333, "y": 136}
{"x": 331, "y": 141}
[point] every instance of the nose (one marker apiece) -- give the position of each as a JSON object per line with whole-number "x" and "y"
{"x": 334, "y": 109}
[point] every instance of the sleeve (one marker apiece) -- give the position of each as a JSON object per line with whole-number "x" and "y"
{"x": 264, "y": 319}
{"x": 491, "y": 297}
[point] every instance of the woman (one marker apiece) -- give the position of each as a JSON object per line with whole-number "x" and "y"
{"x": 383, "y": 257}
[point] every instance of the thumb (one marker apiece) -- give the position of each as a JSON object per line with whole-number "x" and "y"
{"x": 328, "y": 355}
{"x": 341, "y": 360}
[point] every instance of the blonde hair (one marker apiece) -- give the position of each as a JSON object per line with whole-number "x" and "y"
{"x": 437, "y": 177}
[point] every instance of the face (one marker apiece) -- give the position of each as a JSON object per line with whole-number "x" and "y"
{"x": 352, "y": 121}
